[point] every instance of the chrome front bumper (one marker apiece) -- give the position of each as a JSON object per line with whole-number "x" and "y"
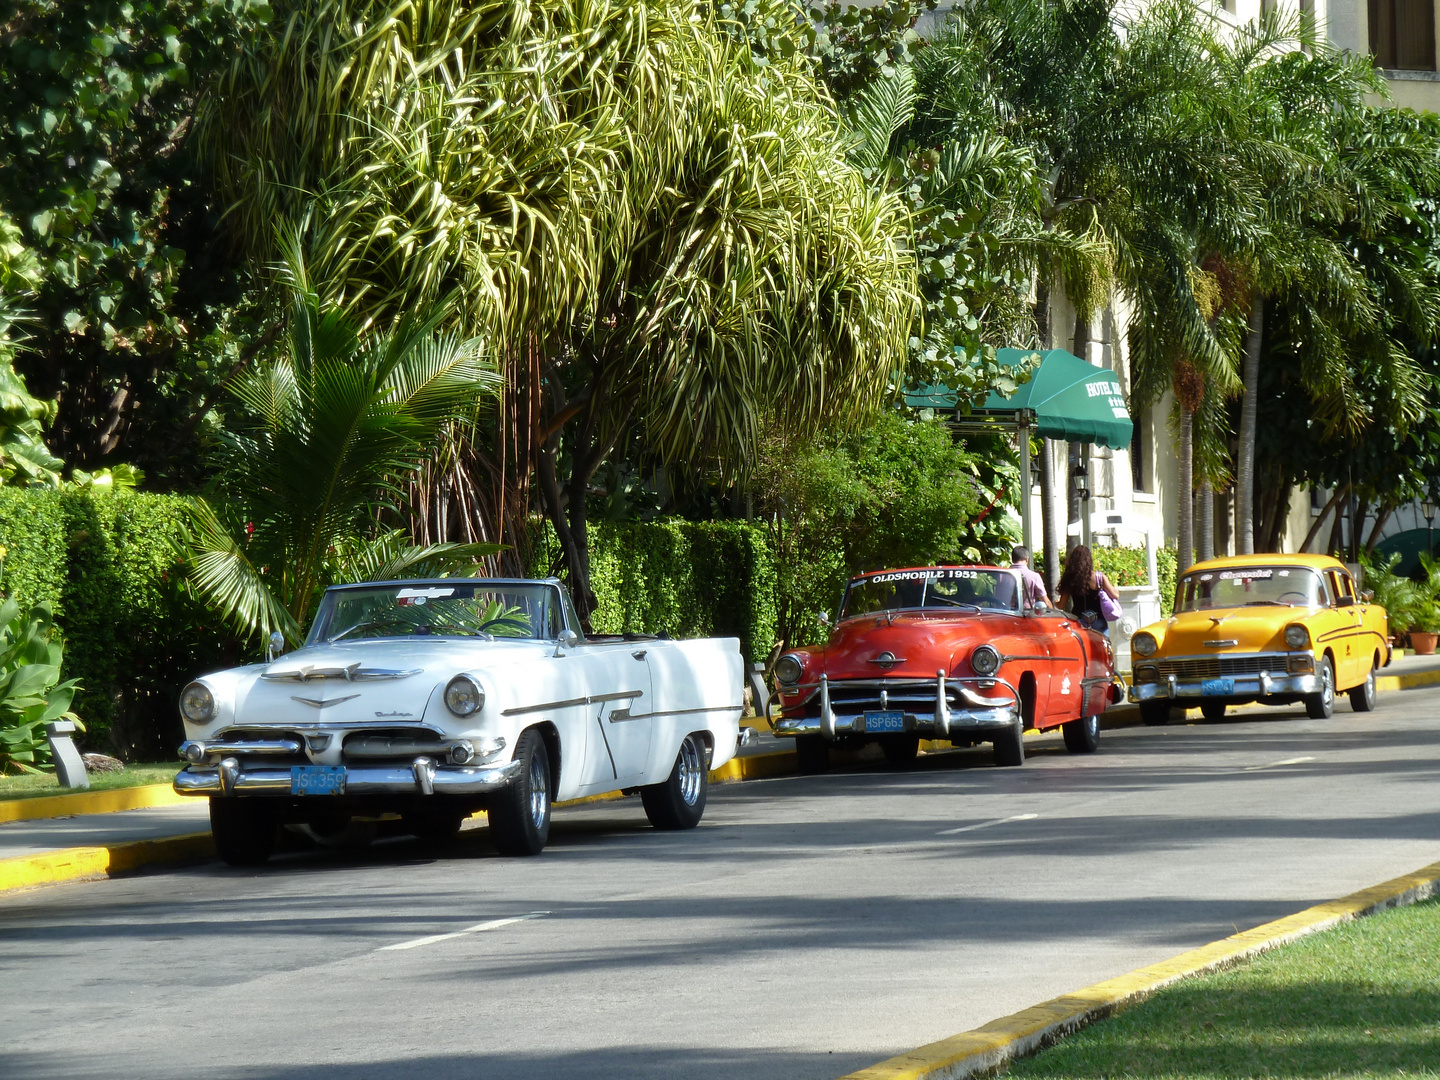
{"x": 1262, "y": 685}
{"x": 421, "y": 777}
{"x": 982, "y": 714}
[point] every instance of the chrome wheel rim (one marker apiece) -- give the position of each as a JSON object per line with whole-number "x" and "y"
{"x": 1092, "y": 725}
{"x": 691, "y": 767}
{"x": 1370, "y": 688}
{"x": 1327, "y": 694}
{"x": 539, "y": 791}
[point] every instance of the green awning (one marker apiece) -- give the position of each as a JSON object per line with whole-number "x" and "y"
{"x": 1067, "y": 398}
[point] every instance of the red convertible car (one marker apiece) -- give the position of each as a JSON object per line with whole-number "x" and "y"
{"x": 944, "y": 652}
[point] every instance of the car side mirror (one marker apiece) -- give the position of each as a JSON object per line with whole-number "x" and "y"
{"x": 276, "y": 646}
{"x": 1367, "y": 596}
{"x": 568, "y": 639}
{"x": 825, "y": 617}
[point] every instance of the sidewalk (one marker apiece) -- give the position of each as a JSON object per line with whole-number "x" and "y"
{"x": 94, "y": 844}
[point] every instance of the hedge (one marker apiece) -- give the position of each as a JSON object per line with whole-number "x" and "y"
{"x": 133, "y": 637}
{"x": 684, "y": 579}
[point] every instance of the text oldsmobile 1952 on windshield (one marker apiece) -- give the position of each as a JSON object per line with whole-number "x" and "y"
{"x": 1276, "y": 629}
{"x": 433, "y": 699}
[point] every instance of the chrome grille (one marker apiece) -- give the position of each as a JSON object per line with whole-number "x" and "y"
{"x": 1211, "y": 667}
{"x": 918, "y": 697}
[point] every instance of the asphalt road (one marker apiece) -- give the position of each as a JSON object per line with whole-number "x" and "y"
{"x": 809, "y": 927}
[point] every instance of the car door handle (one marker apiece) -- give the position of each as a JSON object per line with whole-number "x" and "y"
{"x": 640, "y": 655}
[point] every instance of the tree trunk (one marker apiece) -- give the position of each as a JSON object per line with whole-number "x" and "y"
{"x": 1048, "y": 509}
{"x": 1184, "y": 497}
{"x": 1245, "y": 460}
{"x": 1357, "y": 526}
{"x": 1320, "y": 518}
{"x": 1380, "y": 519}
{"x": 1042, "y": 312}
{"x": 1336, "y": 533}
{"x": 1277, "y": 523}
{"x": 1207, "y": 521}
{"x": 1222, "y": 521}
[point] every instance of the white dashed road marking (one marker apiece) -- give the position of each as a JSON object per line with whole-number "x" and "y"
{"x": 987, "y": 824}
{"x": 478, "y": 928}
{"x": 1277, "y": 764}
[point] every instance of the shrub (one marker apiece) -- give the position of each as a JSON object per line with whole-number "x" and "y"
{"x": 31, "y": 693}
{"x": 105, "y": 563}
{"x": 683, "y": 578}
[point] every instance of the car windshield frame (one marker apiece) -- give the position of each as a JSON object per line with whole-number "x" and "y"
{"x": 361, "y": 613}
{"x": 927, "y": 598}
{"x": 1276, "y": 577}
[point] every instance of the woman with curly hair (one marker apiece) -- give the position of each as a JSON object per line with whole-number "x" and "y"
{"x": 1079, "y": 589}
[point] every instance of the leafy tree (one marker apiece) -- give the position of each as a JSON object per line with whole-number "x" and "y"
{"x": 23, "y": 417}
{"x": 1338, "y": 179}
{"x": 135, "y": 293}
{"x": 663, "y": 236}
{"x": 325, "y": 437}
{"x": 898, "y": 493}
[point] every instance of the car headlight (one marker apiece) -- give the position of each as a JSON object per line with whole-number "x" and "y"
{"x": 788, "y": 670}
{"x": 197, "y": 704}
{"x": 463, "y": 696}
{"x": 1144, "y": 644}
{"x": 1296, "y": 636}
{"x": 984, "y": 660}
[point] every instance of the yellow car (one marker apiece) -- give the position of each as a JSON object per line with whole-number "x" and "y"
{"x": 1269, "y": 628}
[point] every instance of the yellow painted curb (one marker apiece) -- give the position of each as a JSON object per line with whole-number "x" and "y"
{"x": 988, "y": 1047}
{"x": 80, "y": 864}
{"x": 1414, "y": 681}
{"x": 89, "y": 802}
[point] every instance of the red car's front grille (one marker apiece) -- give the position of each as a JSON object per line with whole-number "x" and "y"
{"x": 849, "y": 698}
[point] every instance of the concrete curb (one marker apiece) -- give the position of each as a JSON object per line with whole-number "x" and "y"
{"x": 92, "y": 863}
{"x": 89, "y": 802}
{"x": 1416, "y": 680}
{"x": 986, "y": 1048}
{"x": 88, "y": 863}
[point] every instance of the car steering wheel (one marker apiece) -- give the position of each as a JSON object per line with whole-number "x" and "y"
{"x": 1302, "y": 597}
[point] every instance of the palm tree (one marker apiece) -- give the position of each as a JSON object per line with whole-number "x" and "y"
{"x": 1335, "y": 173}
{"x": 1119, "y": 114}
{"x": 657, "y": 234}
{"x": 319, "y": 443}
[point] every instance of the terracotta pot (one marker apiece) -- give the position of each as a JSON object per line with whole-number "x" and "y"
{"x": 1423, "y": 643}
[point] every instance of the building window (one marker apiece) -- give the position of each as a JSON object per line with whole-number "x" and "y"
{"x": 1137, "y": 451}
{"x": 1402, "y": 34}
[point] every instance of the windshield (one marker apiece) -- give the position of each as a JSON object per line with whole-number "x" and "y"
{"x": 445, "y": 608}
{"x": 947, "y": 588}
{"x": 1284, "y": 586}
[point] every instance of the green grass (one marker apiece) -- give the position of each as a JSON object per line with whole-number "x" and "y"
{"x": 29, "y": 786}
{"x": 1361, "y": 1000}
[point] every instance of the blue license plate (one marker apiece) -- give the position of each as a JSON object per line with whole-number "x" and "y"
{"x": 1217, "y": 687}
{"x": 894, "y": 720}
{"x": 317, "y": 780}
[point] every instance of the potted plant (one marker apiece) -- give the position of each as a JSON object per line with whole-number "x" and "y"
{"x": 1424, "y": 621}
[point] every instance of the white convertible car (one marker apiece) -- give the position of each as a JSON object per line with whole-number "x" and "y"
{"x": 433, "y": 699}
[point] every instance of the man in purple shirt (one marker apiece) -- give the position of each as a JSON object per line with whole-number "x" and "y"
{"x": 1033, "y": 583}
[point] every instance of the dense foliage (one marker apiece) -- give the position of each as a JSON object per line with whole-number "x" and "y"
{"x": 136, "y": 298}
{"x": 899, "y": 493}
{"x": 325, "y": 435}
{"x": 106, "y": 564}
{"x": 31, "y": 693}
